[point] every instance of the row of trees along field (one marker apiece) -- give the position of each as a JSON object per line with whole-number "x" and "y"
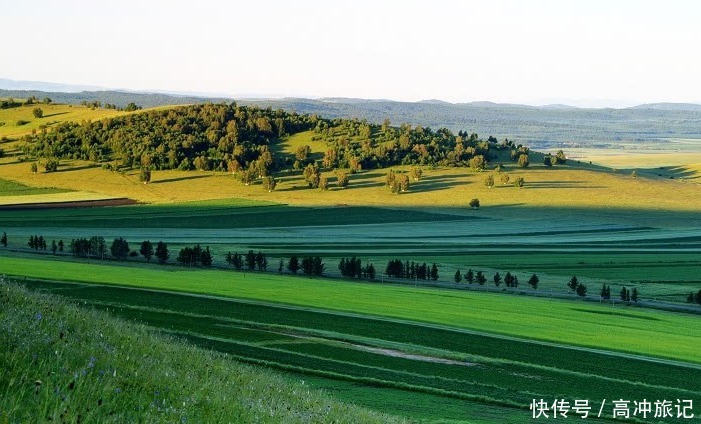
{"x": 228, "y": 137}
{"x": 96, "y": 247}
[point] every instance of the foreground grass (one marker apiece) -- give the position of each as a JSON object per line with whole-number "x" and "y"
{"x": 62, "y": 363}
{"x": 656, "y": 333}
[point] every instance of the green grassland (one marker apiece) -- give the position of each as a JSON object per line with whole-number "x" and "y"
{"x": 481, "y": 371}
{"x": 669, "y": 335}
{"x": 62, "y": 363}
{"x": 11, "y": 188}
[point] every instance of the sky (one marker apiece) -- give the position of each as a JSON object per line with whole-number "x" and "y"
{"x": 585, "y": 53}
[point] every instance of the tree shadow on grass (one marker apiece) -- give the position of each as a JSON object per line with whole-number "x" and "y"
{"x": 76, "y": 168}
{"x": 435, "y": 183}
{"x": 171, "y": 180}
{"x": 54, "y": 114}
{"x": 557, "y": 184}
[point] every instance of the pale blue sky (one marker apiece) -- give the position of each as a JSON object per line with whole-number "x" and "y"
{"x": 588, "y": 53}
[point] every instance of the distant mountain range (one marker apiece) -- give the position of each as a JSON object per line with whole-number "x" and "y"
{"x": 555, "y": 125}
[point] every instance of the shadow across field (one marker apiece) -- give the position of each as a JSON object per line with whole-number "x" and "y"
{"x": 170, "y": 180}
{"x": 558, "y": 184}
{"x": 55, "y": 114}
{"x": 434, "y": 183}
{"x": 76, "y": 168}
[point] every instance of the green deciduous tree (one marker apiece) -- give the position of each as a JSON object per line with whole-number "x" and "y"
{"x": 523, "y": 161}
{"x": 342, "y": 179}
{"x": 533, "y": 281}
{"x": 293, "y": 264}
{"x": 162, "y": 252}
{"x": 119, "y": 248}
{"x": 146, "y": 250}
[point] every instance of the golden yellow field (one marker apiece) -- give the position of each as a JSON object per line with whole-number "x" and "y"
{"x": 53, "y": 114}
{"x": 448, "y": 187}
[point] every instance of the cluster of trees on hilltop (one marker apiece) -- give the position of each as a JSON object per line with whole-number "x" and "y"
{"x": 206, "y": 136}
{"x": 229, "y": 137}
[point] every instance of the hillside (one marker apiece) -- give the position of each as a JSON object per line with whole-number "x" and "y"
{"x": 540, "y": 127}
{"x": 77, "y": 365}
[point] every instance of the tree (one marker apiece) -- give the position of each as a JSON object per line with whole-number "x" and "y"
{"x": 293, "y": 264}
{"x": 523, "y": 161}
{"x": 162, "y": 252}
{"x": 581, "y": 290}
{"x": 404, "y": 183}
{"x": 51, "y": 165}
{"x": 206, "y": 257}
{"x": 497, "y": 279}
{"x": 470, "y": 276}
{"x": 548, "y": 160}
{"x": 698, "y": 297}
{"x": 478, "y": 163}
{"x": 690, "y": 298}
{"x": 131, "y": 107}
{"x": 342, "y": 179}
{"x": 480, "y": 278}
{"x": 416, "y": 173}
{"x": 625, "y": 294}
{"x": 146, "y": 250}
{"x": 269, "y": 183}
{"x": 281, "y": 266}
{"x": 311, "y": 175}
{"x": 458, "y": 276}
{"x": 390, "y": 178}
{"x": 533, "y": 281}
{"x": 119, "y": 248}
{"x": 3, "y": 239}
{"x": 247, "y": 176}
{"x": 251, "y": 260}
{"x": 54, "y": 247}
{"x": 145, "y": 175}
{"x": 634, "y": 295}
{"x": 605, "y": 292}
{"x": 475, "y": 203}
{"x": 317, "y": 266}
{"x": 33, "y": 167}
{"x": 509, "y": 279}
{"x": 560, "y": 158}
{"x": 60, "y": 245}
{"x": 302, "y": 153}
{"x": 323, "y": 183}
{"x": 504, "y": 178}
{"x": 489, "y": 181}
{"x": 434, "y": 272}
{"x": 573, "y": 283}
{"x": 261, "y": 262}
{"x": 519, "y": 182}
{"x": 38, "y": 113}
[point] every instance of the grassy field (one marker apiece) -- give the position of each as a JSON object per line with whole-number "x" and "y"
{"x": 667, "y": 335}
{"x": 483, "y": 372}
{"x": 53, "y": 114}
{"x": 64, "y": 364}
{"x": 13, "y": 189}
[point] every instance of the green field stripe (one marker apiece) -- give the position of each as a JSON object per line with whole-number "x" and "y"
{"x": 622, "y": 367}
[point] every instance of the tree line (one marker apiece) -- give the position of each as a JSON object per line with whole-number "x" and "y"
{"x": 240, "y": 140}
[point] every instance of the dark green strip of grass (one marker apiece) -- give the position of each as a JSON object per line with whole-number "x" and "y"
{"x": 215, "y": 217}
{"x": 505, "y": 349}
